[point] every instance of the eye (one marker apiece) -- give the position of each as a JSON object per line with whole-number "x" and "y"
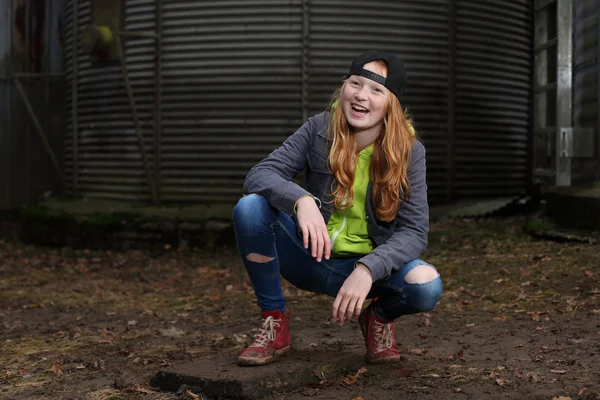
{"x": 378, "y": 90}
{"x": 354, "y": 83}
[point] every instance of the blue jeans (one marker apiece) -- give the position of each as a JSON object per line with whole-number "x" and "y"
{"x": 264, "y": 230}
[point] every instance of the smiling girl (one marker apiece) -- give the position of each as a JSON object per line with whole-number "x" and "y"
{"x": 357, "y": 228}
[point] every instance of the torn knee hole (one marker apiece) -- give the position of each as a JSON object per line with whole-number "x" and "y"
{"x": 258, "y": 258}
{"x": 421, "y": 274}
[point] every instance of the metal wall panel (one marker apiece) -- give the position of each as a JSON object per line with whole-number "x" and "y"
{"x": 236, "y": 78}
{"x": 6, "y": 102}
{"x": 493, "y": 85}
{"x": 586, "y": 108}
{"x": 107, "y": 153}
{"x": 29, "y": 44}
{"x": 231, "y": 92}
{"x": 416, "y": 31}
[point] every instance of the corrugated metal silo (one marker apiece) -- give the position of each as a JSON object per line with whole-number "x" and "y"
{"x": 493, "y": 97}
{"x": 416, "y": 31}
{"x": 105, "y": 155}
{"x": 232, "y": 79}
{"x": 231, "y": 92}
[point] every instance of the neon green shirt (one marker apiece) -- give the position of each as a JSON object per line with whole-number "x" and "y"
{"x": 348, "y": 229}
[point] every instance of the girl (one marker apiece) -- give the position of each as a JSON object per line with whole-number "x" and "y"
{"x": 357, "y": 229}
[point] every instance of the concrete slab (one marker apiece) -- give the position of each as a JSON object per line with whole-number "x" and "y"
{"x": 222, "y": 378}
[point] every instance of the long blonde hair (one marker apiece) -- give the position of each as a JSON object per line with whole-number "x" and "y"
{"x": 389, "y": 163}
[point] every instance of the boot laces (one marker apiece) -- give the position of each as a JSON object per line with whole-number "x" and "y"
{"x": 267, "y": 332}
{"x": 382, "y": 334}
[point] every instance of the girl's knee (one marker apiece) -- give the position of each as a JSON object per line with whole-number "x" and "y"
{"x": 424, "y": 288}
{"x": 421, "y": 274}
{"x": 248, "y": 205}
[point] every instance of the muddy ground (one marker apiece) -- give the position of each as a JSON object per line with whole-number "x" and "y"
{"x": 519, "y": 319}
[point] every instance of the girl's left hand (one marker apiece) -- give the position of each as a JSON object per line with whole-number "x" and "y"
{"x": 352, "y": 294}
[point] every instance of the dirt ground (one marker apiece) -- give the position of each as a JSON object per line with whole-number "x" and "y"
{"x": 519, "y": 319}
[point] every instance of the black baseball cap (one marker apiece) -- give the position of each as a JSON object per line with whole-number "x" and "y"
{"x": 396, "y": 75}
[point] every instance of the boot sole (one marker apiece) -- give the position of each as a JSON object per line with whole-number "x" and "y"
{"x": 252, "y": 361}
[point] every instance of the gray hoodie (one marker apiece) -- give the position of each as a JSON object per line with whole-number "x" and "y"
{"x": 395, "y": 243}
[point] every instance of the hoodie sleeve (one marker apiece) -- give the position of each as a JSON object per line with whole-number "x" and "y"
{"x": 412, "y": 225}
{"x": 272, "y": 177}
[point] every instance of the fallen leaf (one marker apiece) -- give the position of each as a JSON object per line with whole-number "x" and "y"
{"x": 469, "y": 325}
{"x": 562, "y": 398}
{"x": 581, "y": 391}
{"x": 140, "y": 390}
{"x": 215, "y": 296}
{"x": 193, "y": 396}
{"x": 56, "y": 369}
{"x": 427, "y": 322}
{"x": 558, "y": 371}
{"x": 229, "y": 288}
{"x": 501, "y": 382}
{"x": 417, "y": 352}
{"x": 589, "y": 274}
{"x": 351, "y": 379}
{"x": 132, "y": 322}
{"x": 358, "y": 398}
{"x": 502, "y": 318}
{"x": 457, "y": 390}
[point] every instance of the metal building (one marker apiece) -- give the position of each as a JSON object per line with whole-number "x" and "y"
{"x": 31, "y": 100}
{"x": 586, "y": 91}
{"x": 211, "y": 87}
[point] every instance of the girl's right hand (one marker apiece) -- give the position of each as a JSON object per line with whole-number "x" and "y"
{"x": 313, "y": 226}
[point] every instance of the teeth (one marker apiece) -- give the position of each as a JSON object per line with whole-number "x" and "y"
{"x": 359, "y": 108}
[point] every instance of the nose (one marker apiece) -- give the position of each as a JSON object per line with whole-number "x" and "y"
{"x": 361, "y": 94}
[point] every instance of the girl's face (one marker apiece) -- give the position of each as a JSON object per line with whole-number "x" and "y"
{"x": 364, "y": 100}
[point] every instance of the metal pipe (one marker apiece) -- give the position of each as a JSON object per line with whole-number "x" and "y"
{"x": 38, "y": 127}
{"x": 158, "y": 102}
{"x": 138, "y": 127}
{"x": 74, "y": 99}
{"x": 564, "y": 86}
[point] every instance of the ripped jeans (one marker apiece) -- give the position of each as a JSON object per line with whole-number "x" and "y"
{"x": 263, "y": 230}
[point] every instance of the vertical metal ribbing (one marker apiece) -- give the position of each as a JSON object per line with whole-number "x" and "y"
{"x": 598, "y": 92}
{"x": 74, "y": 116}
{"x": 305, "y": 56}
{"x": 157, "y": 101}
{"x": 451, "y": 158}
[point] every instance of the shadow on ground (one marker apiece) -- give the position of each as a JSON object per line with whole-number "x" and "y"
{"x": 519, "y": 318}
